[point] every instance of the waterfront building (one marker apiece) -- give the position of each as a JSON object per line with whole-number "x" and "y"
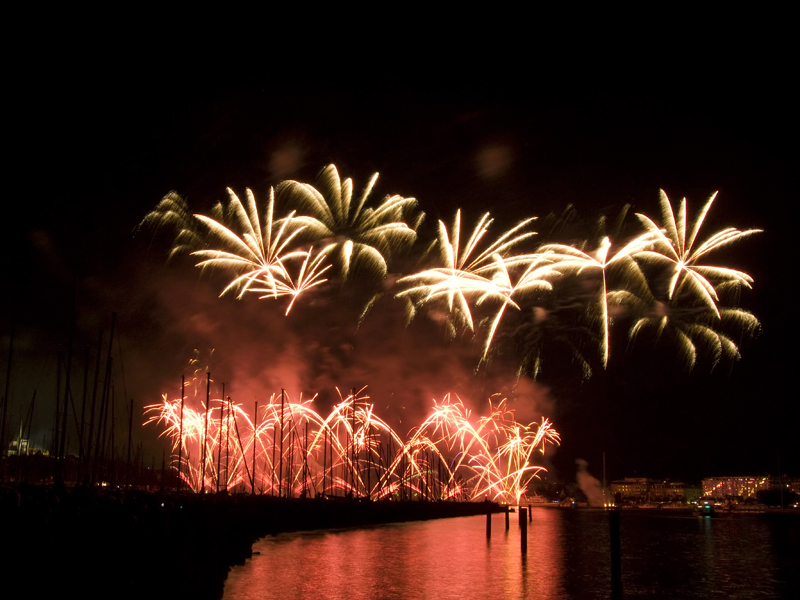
{"x": 734, "y": 487}
{"x": 642, "y": 489}
{"x": 631, "y": 488}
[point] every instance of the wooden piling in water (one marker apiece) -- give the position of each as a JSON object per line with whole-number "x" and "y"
{"x": 488, "y": 521}
{"x": 507, "y": 518}
{"x": 523, "y": 529}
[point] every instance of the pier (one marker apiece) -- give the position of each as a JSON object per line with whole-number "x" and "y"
{"x": 132, "y": 544}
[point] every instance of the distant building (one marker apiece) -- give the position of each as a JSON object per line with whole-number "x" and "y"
{"x": 18, "y": 447}
{"x": 631, "y": 488}
{"x": 790, "y": 483}
{"x": 734, "y": 487}
{"x": 641, "y": 489}
{"x": 747, "y": 487}
{"x": 21, "y": 446}
{"x": 692, "y": 493}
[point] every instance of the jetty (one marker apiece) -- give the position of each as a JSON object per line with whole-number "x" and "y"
{"x": 134, "y": 544}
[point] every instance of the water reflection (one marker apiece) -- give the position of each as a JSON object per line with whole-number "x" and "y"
{"x": 663, "y": 556}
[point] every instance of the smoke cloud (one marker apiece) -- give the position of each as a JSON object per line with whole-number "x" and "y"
{"x": 588, "y": 484}
{"x": 257, "y": 350}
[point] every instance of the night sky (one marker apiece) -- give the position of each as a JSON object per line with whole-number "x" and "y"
{"x": 96, "y": 151}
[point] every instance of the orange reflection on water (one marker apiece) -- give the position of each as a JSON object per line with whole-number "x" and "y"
{"x": 664, "y": 556}
{"x": 446, "y": 558}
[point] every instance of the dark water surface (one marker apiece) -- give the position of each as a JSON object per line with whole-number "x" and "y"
{"x": 664, "y": 555}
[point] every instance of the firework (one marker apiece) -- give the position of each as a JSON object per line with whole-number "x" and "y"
{"x": 486, "y": 287}
{"x": 173, "y": 212}
{"x": 689, "y": 325}
{"x": 352, "y": 231}
{"x": 309, "y": 275}
{"x": 544, "y": 326}
{"x": 261, "y": 256}
{"x": 258, "y": 255}
{"x": 675, "y": 248}
{"x": 294, "y": 451}
{"x": 495, "y": 451}
{"x": 467, "y": 274}
{"x": 572, "y": 260}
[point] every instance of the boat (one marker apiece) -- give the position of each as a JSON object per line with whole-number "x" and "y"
{"x": 705, "y": 509}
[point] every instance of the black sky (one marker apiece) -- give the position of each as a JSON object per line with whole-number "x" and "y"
{"x": 94, "y": 152}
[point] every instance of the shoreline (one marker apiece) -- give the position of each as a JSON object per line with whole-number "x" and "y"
{"x": 134, "y": 544}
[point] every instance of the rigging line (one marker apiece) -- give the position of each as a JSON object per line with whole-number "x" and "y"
{"x": 121, "y": 365}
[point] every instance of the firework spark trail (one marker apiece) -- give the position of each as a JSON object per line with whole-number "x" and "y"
{"x": 688, "y": 324}
{"x": 466, "y": 272}
{"x": 173, "y": 212}
{"x": 487, "y": 276}
{"x": 505, "y": 471}
{"x": 309, "y": 275}
{"x": 259, "y": 254}
{"x": 477, "y": 467}
{"x": 466, "y": 281}
{"x": 446, "y": 457}
{"x": 535, "y": 278}
{"x": 355, "y": 231}
{"x": 571, "y": 260}
{"x": 676, "y": 247}
{"x": 490, "y": 279}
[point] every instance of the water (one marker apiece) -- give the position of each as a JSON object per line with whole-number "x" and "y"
{"x": 664, "y": 555}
